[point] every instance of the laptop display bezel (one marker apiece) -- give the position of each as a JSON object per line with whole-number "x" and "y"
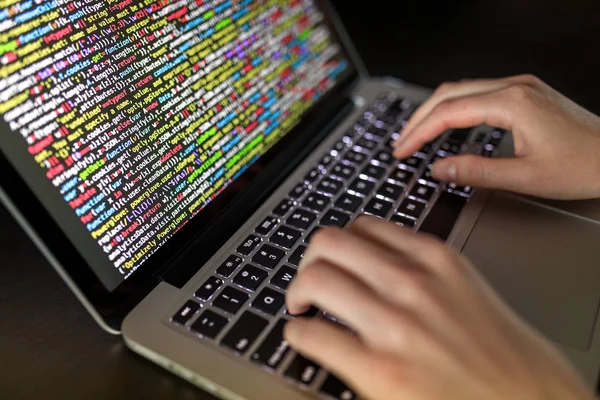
{"x": 112, "y": 306}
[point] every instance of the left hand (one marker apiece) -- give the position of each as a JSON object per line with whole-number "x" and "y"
{"x": 427, "y": 326}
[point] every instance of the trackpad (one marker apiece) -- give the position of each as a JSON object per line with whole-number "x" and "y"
{"x": 544, "y": 263}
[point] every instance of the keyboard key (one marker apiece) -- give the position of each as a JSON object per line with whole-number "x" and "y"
{"x": 355, "y": 157}
{"x": 244, "y": 333}
{"x": 185, "y": 312}
{"x": 230, "y": 300}
{"x": 450, "y": 148}
{"x": 429, "y": 179}
{"x": 249, "y": 245}
{"x": 412, "y": 162}
{"x": 403, "y": 221}
{"x": 480, "y": 138}
{"x": 229, "y": 266}
{"x": 422, "y": 192}
{"x": 316, "y": 201}
{"x": 443, "y": 215}
{"x": 360, "y": 186}
{"x": 283, "y": 277}
{"x": 340, "y": 146}
{"x": 269, "y": 301}
{"x": 411, "y": 208}
{"x": 397, "y": 107}
{"x": 310, "y": 235}
{"x": 401, "y": 176}
{"x": 209, "y": 288}
{"x": 312, "y": 175}
{"x": 390, "y": 191}
{"x": 378, "y": 207}
{"x": 209, "y": 324}
{"x": 425, "y": 151}
{"x": 297, "y": 255}
{"x": 337, "y": 389}
{"x": 327, "y": 160}
{"x": 377, "y": 132}
{"x": 366, "y": 144}
{"x": 266, "y": 226}
{"x": 335, "y": 218}
{"x": 349, "y": 203}
{"x": 384, "y": 157}
{"x": 268, "y": 256}
{"x": 302, "y": 370}
{"x": 459, "y": 136}
{"x": 373, "y": 171}
{"x": 343, "y": 171}
{"x": 496, "y": 137}
{"x": 301, "y": 219}
{"x": 462, "y": 190}
{"x": 284, "y": 207}
{"x": 285, "y": 237}
{"x": 250, "y": 277}
{"x": 273, "y": 349}
{"x": 298, "y": 191}
{"x": 330, "y": 186}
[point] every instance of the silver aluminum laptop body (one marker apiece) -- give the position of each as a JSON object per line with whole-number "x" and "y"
{"x": 541, "y": 256}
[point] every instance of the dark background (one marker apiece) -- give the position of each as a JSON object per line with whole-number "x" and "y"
{"x": 50, "y": 347}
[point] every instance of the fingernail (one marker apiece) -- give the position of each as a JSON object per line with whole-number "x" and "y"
{"x": 446, "y": 173}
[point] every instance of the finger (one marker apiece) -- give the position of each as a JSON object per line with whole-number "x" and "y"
{"x": 494, "y": 108}
{"x": 449, "y": 91}
{"x": 340, "y": 294}
{"x": 420, "y": 249}
{"x": 380, "y": 324}
{"x": 498, "y": 173}
{"x": 376, "y": 265}
{"x": 333, "y": 348}
{"x": 464, "y": 88}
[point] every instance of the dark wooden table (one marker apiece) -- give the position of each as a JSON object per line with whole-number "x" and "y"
{"x": 50, "y": 348}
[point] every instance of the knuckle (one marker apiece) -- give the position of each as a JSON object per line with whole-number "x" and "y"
{"x": 414, "y": 286}
{"x": 312, "y": 277}
{"x": 402, "y": 333}
{"x": 532, "y": 79}
{"x": 520, "y": 92}
{"x": 443, "y": 107}
{"x": 325, "y": 238}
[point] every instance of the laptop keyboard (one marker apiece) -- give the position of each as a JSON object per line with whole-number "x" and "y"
{"x": 242, "y": 307}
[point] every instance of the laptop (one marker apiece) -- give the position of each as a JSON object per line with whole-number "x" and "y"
{"x": 172, "y": 160}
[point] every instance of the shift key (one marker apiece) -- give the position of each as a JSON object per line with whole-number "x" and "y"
{"x": 273, "y": 349}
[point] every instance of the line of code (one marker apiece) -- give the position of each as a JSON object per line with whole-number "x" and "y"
{"x": 140, "y": 112}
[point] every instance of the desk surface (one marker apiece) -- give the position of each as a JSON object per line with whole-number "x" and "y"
{"x": 51, "y": 348}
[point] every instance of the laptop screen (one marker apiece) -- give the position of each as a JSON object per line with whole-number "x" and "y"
{"x": 129, "y": 117}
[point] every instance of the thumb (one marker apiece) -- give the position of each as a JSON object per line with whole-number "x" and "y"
{"x": 477, "y": 171}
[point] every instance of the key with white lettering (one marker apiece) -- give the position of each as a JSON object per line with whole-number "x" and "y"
{"x": 269, "y": 301}
{"x": 273, "y": 349}
{"x": 186, "y": 312}
{"x": 302, "y": 370}
{"x": 244, "y": 333}
{"x": 283, "y": 277}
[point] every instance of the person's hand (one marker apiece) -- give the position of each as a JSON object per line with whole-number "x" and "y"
{"x": 424, "y": 324}
{"x": 556, "y": 141}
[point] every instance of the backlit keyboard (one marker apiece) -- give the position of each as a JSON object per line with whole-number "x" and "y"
{"x": 242, "y": 307}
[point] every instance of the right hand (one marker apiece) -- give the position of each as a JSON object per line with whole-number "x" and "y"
{"x": 557, "y": 142}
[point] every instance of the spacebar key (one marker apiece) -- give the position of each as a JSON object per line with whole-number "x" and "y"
{"x": 443, "y": 215}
